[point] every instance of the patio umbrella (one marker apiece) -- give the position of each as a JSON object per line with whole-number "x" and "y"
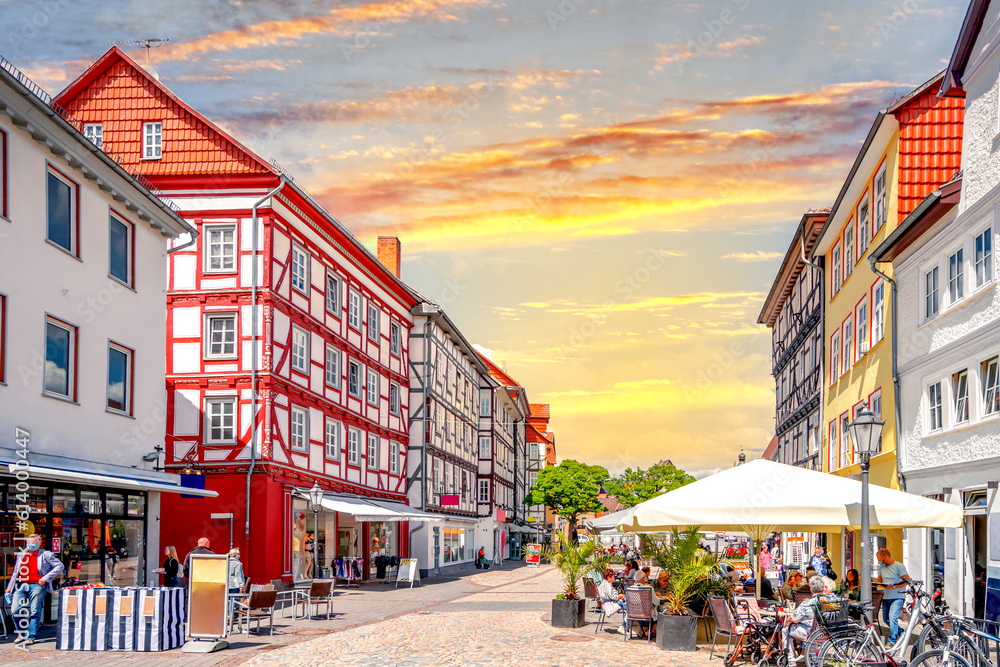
{"x": 762, "y": 497}
{"x": 607, "y": 524}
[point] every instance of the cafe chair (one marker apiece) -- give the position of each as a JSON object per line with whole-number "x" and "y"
{"x": 258, "y": 606}
{"x": 639, "y": 608}
{"x": 602, "y": 619}
{"x": 725, "y": 625}
{"x": 320, "y": 592}
{"x": 877, "y": 613}
{"x": 799, "y": 598}
{"x": 590, "y": 593}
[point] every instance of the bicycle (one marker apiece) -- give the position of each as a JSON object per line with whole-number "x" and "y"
{"x": 960, "y": 638}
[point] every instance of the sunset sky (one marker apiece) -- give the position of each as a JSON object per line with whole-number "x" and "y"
{"x": 598, "y": 191}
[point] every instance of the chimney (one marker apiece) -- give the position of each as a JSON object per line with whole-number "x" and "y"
{"x": 388, "y": 253}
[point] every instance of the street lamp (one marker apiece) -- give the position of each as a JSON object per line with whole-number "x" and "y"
{"x": 315, "y": 501}
{"x": 866, "y": 431}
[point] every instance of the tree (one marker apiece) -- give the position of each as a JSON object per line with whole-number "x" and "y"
{"x": 635, "y": 486}
{"x": 569, "y": 489}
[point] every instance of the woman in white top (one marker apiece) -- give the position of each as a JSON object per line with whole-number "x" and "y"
{"x": 611, "y": 601}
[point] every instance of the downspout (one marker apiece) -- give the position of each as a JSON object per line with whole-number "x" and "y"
{"x": 253, "y": 350}
{"x": 895, "y": 375}
{"x": 194, "y": 237}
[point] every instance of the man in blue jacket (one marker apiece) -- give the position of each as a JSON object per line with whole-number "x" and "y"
{"x": 34, "y": 571}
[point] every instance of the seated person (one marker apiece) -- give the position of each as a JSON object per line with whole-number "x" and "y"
{"x": 635, "y": 572}
{"x": 798, "y": 624}
{"x": 849, "y": 587}
{"x": 624, "y": 574}
{"x": 793, "y": 582}
{"x": 642, "y": 577}
{"x": 611, "y": 600}
{"x": 661, "y": 584}
{"x": 766, "y": 589}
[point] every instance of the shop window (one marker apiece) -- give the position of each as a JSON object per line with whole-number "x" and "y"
{"x": 115, "y": 504}
{"x": 137, "y": 506}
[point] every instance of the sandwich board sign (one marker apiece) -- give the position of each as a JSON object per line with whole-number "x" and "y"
{"x": 408, "y": 572}
{"x": 533, "y": 555}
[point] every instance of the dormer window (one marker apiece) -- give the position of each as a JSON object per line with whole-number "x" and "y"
{"x": 152, "y": 141}
{"x": 95, "y": 133}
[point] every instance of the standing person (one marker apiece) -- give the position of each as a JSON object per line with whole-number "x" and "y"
{"x": 779, "y": 567}
{"x": 202, "y": 548}
{"x": 893, "y": 577}
{"x": 34, "y": 571}
{"x": 820, "y": 562}
{"x": 171, "y": 567}
{"x": 236, "y": 575}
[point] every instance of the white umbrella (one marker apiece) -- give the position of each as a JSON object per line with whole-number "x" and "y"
{"x": 762, "y": 497}
{"x": 607, "y": 524}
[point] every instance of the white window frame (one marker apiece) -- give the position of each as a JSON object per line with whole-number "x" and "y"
{"x": 355, "y": 368}
{"x": 484, "y": 446}
{"x": 372, "y": 451}
{"x": 298, "y": 429}
{"x": 210, "y": 318}
{"x": 875, "y": 405}
{"x": 985, "y": 276}
{"x": 846, "y": 451}
{"x": 991, "y": 386}
{"x": 864, "y": 223}
{"x": 333, "y": 286}
{"x": 300, "y": 269}
{"x": 960, "y": 396}
{"x": 210, "y": 244}
{"x": 394, "y": 404}
{"x": 836, "y": 354}
{"x": 331, "y": 366}
{"x": 393, "y": 457}
{"x": 484, "y": 490}
{"x": 129, "y": 378}
{"x": 300, "y": 350}
{"x": 3, "y": 338}
{"x": 94, "y": 133}
{"x": 152, "y": 140}
{"x": 956, "y": 276}
{"x": 395, "y": 337}
{"x": 129, "y": 279}
{"x": 332, "y": 434}
{"x": 71, "y": 358}
{"x": 932, "y": 292}
{"x": 372, "y": 322}
{"x": 212, "y": 401}
{"x": 372, "y": 386}
{"x": 354, "y": 303}
{"x": 532, "y": 451}
{"x": 849, "y": 246}
{"x": 935, "y": 405}
{"x": 835, "y": 273}
{"x": 861, "y": 329}
{"x": 879, "y": 212}
{"x": 847, "y": 338}
{"x": 74, "y": 213}
{"x": 878, "y": 312}
{"x": 353, "y": 446}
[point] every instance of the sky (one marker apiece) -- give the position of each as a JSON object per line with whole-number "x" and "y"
{"x": 599, "y": 192}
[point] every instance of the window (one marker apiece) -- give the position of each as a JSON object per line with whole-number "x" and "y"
{"x": 394, "y": 338}
{"x": 333, "y": 295}
{"x": 220, "y": 413}
{"x": 372, "y": 322}
{"x": 956, "y": 275}
{"x": 354, "y": 310}
{"x": 931, "y": 293}
{"x": 849, "y": 249}
{"x": 960, "y": 387}
{"x": 221, "y": 329}
{"x": 875, "y": 403}
{"x": 864, "y": 226}
{"x": 484, "y": 490}
{"x": 861, "y": 322}
{"x": 984, "y": 257}
{"x": 393, "y": 458}
{"x": 3, "y": 338}
{"x": 120, "y": 379}
{"x": 835, "y": 265}
{"x": 991, "y": 387}
{"x": 300, "y": 435}
{"x": 834, "y": 358}
{"x": 120, "y": 250}
{"x": 300, "y": 269}
{"x": 878, "y": 311}
{"x": 373, "y": 389}
{"x": 63, "y": 206}
{"x": 354, "y": 379}
{"x": 833, "y": 443}
{"x": 353, "y": 446}
{"x": 394, "y": 398}
{"x": 848, "y": 345}
{"x": 95, "y": 133}
{"x": 532, "y": 451}
{"x": 332, "y": 372}
{"x": 879, "y": 201}
{"x": 60, "y": 358}
{"x": 220, "y": 248}
{"x": 372, "y": 451}
{"x": 152, "y": 134}
{"x": 484, "y": 447}
{"x": 934, "y": 402}
{"x": 3, "y": 174}
{"x": 845, "y": 440}
{"x": 300, "y": 350}
{"x": 332, "y": 439}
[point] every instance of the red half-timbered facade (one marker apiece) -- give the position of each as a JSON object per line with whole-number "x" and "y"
{"x": 328, "y": 362}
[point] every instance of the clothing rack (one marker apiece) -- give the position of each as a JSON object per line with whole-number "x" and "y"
{"x": 389, "y": 566}
{"x": 349, "y": 569}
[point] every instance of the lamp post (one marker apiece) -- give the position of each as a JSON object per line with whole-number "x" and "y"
{"x": 866, "y": 430}
{"x": 315, "y": 501}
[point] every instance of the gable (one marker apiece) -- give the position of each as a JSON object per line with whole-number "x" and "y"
{"x": 122, "y": 97}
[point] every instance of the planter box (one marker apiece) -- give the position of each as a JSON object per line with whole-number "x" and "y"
{"x": 677, "y": 633}
{"x": 569, "y": 613}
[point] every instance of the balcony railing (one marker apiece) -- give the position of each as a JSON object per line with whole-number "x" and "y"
{"x": 802, "y": 398}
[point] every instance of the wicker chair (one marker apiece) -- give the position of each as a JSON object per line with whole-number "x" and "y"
{"x": 725, "y": 624}
{"x": 320, "y": 592}
{"x": 259, "y": 605}
{"x": 799, "y": 598}
{"x": 639, "y": 608}
{"x": 877, "y": 612}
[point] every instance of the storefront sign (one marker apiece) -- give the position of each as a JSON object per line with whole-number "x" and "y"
{"x": 408, "y": 573}
{"x": 207, "y": 598}
{"x": 56, "y": 545}
{"x": 533, "y": 555}
{"x": 501, "y": 515}
{"x": 449, "y": 499}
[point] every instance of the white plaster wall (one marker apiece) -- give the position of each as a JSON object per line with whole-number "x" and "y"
{"x": 980, "y": 151}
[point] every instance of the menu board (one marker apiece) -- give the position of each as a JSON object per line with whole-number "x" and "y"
{"x": 533, "y": 555}
{"x": 408, "y": 572}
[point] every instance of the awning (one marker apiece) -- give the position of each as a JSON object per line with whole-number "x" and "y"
{"x": 95, "y": 479}
{"x": 364, "y": 509}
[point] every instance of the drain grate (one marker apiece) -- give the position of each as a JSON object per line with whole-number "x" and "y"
{"x": 572, "y": 638}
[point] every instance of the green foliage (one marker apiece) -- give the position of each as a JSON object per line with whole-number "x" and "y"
{"x": 575, "y": 561}
{"x": 569, "y": 489}
{"x": 635, "y": 486}
{"x": 692, "y": 571}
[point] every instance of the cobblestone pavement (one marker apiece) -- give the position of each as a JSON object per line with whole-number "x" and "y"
{"x": 487, "y": 618}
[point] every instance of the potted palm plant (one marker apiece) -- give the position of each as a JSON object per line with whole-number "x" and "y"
{"x": 692, "y": 577}
{"x": 574, "y": 561}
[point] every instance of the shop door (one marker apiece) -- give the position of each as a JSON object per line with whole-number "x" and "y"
{"x": 437, "y": 550}
{"x": 124, "y": 548}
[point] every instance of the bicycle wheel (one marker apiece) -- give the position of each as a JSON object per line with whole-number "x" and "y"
{"x": 936, "y": 658}
{"x": 936, "y": 638}
{"x": 848, "y": 652}
{"x": 933, "y": 635}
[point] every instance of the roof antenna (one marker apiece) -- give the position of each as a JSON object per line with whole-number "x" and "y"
{"x": 148, "y": 43}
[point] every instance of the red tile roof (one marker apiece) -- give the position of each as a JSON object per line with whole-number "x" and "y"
{"x": 117, "y": 92}
{"x": 540, "y": 410}
{"x": 499, "y": 374}
{"x": 532, "y": 434}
